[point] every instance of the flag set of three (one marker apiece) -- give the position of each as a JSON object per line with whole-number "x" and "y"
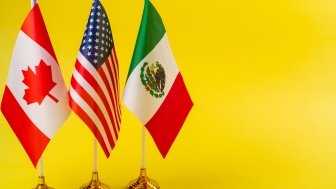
{"x": 36, "y": 102}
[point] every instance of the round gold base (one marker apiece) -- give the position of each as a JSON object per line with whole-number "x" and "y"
{"x": 41, "y": 184}
{"x": 95, "y": 183}
{"x": 143, "y": 182}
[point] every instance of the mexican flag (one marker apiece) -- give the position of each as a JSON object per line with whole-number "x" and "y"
{"x": 155, "y": 91}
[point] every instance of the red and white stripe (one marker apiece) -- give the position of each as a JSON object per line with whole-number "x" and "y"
{"x": 94, "y": 96}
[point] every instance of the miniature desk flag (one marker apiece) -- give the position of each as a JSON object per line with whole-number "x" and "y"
{"x": 94, "y": 90}
{"x": 35, "y": 101}
{"x": 155, "y": 91}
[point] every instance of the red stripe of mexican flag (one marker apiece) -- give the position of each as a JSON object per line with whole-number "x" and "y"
{"x": 155, "y": 91}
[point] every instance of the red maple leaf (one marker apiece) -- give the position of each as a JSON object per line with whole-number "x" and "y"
{"x": 39, "y": 84}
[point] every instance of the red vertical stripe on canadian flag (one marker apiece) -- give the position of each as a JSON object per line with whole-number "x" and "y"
{"x": 35, "y": 28}
{"x": 25, "y": 130}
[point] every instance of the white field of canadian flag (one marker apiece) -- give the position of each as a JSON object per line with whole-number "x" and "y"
{"x": 35, "y": 101}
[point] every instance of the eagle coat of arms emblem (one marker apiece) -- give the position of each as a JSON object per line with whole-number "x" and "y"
{"x": 153, "y": 77}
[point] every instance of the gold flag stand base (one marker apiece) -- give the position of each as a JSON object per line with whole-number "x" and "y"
{"x": 95, "y": 183}
{"x": 41, "y": 184}
{"x": 143, "y": 182}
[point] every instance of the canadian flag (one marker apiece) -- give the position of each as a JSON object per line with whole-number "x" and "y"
{"x": 35, "y": 101}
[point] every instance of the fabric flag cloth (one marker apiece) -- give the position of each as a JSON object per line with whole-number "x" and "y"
{"x": 35, "y": 101}
{"x": 94, "y": 90}
{"x": 155, "y": 91}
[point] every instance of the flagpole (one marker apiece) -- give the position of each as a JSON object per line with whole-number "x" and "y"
{"x": 40, "y": 165}
{"x": 95, "y": 182}
{"x": 143, "y": 181}
{"x": 95, "y": 162}
{"x": 143, "y": 163}
{"x": 41, "y": 181}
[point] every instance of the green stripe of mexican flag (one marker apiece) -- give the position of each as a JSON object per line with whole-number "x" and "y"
{"x": 155, "y": 91}
{"x": 150, "y": 33}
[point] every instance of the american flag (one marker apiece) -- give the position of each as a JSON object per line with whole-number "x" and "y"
{"x": 94, "y": 90}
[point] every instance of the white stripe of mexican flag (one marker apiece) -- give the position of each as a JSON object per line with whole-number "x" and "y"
{"x": 137, "y": 97}
{"x": 154, "y": 90}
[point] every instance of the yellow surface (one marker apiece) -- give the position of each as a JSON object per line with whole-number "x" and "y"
{"x": 262, "y": 75}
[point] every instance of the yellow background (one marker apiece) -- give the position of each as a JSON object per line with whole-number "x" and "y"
{"x": 262, "y": 75}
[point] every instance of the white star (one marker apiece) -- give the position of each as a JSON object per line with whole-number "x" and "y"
{"x": 96, "y": 40}
{"x": 104, "y": 15}
{"x": 89, "y": 53}
{"x": 95, "y": 61}
{"x": 90, "y": 34}
{"x": 103, "y": 41}
{"x": 96, "y": 54}
{"x": 98, "y": 20}
{"x": 101, "y": 55}
{"x": 83, "y": 48}
{"x": 102, "y": 48}
{"x": 98, "y": 13}
{"x": 96, "y": 47}
{"x": 89, "y": 47}
{"x": 83, "y": 41}
{"x": 98, "y": 7}
{"x": 92, "y": 13}
{"x": 97, "y": 34}
{"x": 91, "y": 20}
{"x": 90, "y": 27}
{"x": 106, "y": 50}
{"x": 103, "y": 34}
{"x": 90, "y": 40}
{"x": 97, "y": 27}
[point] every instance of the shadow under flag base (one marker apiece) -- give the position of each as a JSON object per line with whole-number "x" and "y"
{"x": 143, "y": 182}
{"x": 95, "y": 183}
{"x": 41, "y": 184}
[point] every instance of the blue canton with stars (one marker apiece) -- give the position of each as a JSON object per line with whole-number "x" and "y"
{"x": 97, "y": 42}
